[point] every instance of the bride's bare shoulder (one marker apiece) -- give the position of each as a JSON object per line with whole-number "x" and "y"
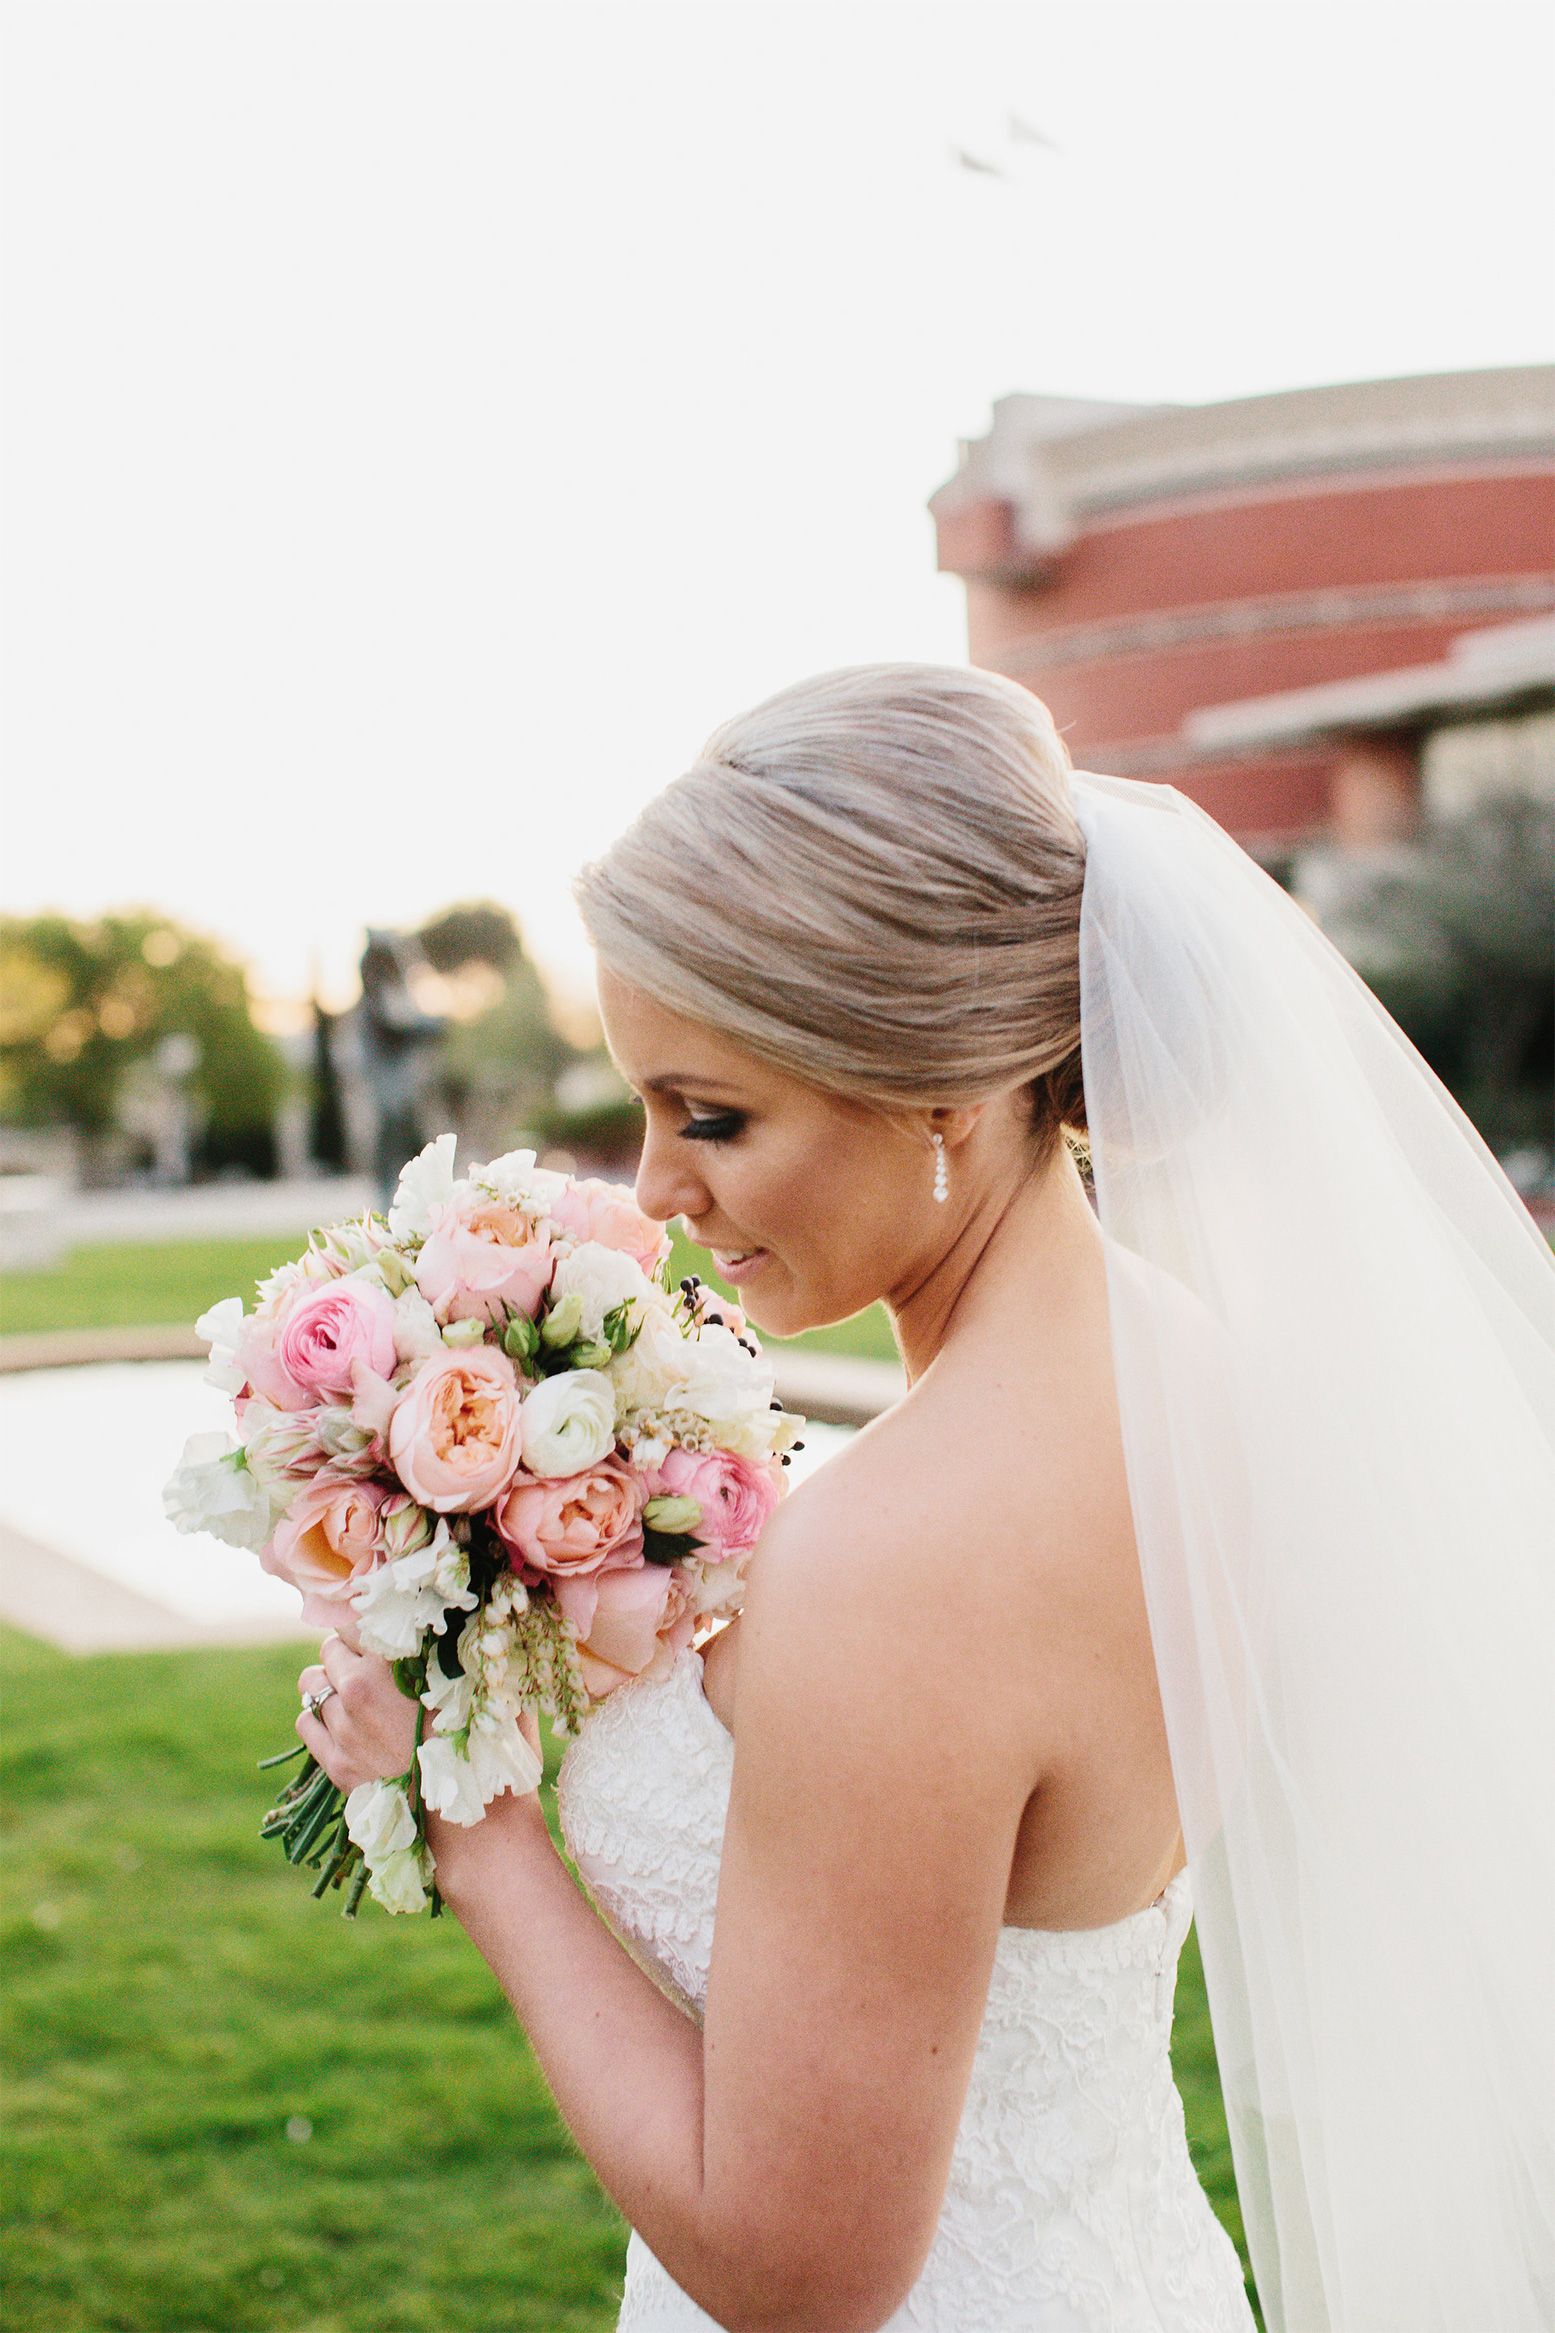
{"x": 967, "y": 1509}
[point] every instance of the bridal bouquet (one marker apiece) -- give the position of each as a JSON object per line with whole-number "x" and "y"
{"x": 531, "y": 1470}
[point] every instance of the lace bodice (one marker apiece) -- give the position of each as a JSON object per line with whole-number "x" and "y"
{"x": 1072, "y": 2205}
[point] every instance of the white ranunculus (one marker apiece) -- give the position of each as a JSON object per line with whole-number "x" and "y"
{"x": 379, "y": 1819}
{"x": 416, "y": 1333}
{"x": 403, "y": 1881}
{"x": 212, "y": 1490}
{"x": 221, "y": 1328}
{"x": 398, "y": 1602}
{"x": 600, "y": 1278}
{"x": 568, "y": 1422}
{"x": 423, "y": 1184}
{"x": 722, "y": 1380}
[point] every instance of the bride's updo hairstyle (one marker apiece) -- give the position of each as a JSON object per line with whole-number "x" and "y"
{"x": 872, "y": 881}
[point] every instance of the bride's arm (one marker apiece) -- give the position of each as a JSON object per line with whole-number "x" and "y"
{"x": 787, "y": 2163}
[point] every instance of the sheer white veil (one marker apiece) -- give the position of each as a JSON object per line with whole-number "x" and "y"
{"x": 1334, "y": 1330}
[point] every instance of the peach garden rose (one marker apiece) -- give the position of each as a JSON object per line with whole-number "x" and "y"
{"x": 454, "y": 1435}
{"x": 576, "y": 1523}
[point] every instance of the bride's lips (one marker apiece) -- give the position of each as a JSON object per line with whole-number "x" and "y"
{"x": 737, "y": 1265}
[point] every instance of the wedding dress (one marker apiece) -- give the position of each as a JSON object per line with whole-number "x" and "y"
{"x": 1073, "y": 2206}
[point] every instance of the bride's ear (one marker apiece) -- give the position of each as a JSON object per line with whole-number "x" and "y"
{"x": 951, "y": 1124}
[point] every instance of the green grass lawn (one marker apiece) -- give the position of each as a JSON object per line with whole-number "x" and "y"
{"x": 176, "y": 2004}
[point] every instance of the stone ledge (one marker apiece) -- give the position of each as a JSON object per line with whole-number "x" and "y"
{"x": 76, "y": 1348}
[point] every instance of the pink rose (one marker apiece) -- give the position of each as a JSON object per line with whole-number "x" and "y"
{"x": 627, "y": 1622}
{"x": 454, "y": 1436}
{"x": 482, "y": 1255}
{"x": 325, "y": 1330}
{"x": 576, "y": 1523}
{"x": 608, "y": 1213}
{"x": 735, "y": 1497}
{"x": 328, "y": 1543}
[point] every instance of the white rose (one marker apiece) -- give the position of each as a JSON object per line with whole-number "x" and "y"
{"x": 650, "y": 1373}
{"x": 722, "y": 1380}
{"x": 221, "y": 1328}
{"x": 568, "y": 1422}
{"x": 379, "y": 1819}
{"x": 416, "y": 1333}
{"x": 600, "y": 1278}
{"x": 403, "y": 1881}
{"x": 427, "y": 1180}
{"x": 212, "y": 1490}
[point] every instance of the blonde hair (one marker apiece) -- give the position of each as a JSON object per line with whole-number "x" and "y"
{"x": 873, "y": 881}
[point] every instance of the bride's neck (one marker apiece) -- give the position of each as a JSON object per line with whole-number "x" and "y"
{"x": 1025, "y": 1239}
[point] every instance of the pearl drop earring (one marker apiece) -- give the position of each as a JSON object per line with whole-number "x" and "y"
{"x": 941, "y": 1172}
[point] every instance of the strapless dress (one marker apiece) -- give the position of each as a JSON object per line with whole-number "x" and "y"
{"x": 1072, "y": 2205}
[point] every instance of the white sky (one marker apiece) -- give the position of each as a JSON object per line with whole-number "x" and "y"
{"x": 424, "y": 422}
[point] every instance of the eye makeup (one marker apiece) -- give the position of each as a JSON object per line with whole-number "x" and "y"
{"x": 719, "y": 1126}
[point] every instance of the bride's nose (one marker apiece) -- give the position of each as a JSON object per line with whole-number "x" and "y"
{"x": 668, "y": 1183}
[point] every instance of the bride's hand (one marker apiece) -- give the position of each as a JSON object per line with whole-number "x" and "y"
{"x": 361, "y": 1727}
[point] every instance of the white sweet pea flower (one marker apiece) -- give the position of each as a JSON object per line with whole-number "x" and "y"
{"x": 448, "y": 1698}
{"x": 403, "y": 1881}
{"x": 212, "y": 1490}
{"x": 379, "y": 1820}
{"x": 568, "y": 1422}
{"x": 463, "y": 1786}
{"x": 722, "y": 1380}
{"x": 449, "y": 1783}
{"x": 423, "y": 1184}
{"x": 416, "y": 1333}
{"x": 400, "y": 1601}
{"x": 599, "y": 1278}
{"x": 221, "y": 1328}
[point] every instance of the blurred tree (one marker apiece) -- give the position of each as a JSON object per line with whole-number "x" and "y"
{"x": 82, "y": 1004}
{"x": 1456, "y": 935}
{"x": 502, "y": 1052}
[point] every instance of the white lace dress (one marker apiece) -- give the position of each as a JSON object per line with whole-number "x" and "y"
{"x": 1073, "y": 2206}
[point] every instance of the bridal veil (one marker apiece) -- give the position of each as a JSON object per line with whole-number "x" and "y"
{"x": 1334, "y": 1329}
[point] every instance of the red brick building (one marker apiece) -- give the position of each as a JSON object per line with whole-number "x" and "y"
{"x": 1148, "y": 570}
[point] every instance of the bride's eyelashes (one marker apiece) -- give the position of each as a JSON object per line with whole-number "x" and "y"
{"x": 721, "y": 1126}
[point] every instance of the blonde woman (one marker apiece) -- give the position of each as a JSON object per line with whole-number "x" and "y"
{"x": 1209, "y": 1543}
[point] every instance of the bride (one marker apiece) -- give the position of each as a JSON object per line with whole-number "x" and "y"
{"x": 1211, "y": 1542}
